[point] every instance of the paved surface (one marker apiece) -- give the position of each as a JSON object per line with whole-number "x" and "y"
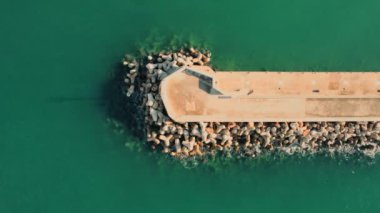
{"x": 198, "y": 93}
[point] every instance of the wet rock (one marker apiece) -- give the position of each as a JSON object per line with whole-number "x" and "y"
{"x": 154, "y": 114}
{"x": 131, "y": 65}
{"x": 130, "y": 90}
{"x": 181, "y": 62}
{"x": 177, "y": 144}
{"x": 152, "y": 137}
{"x": 161, "y": 75}
{"x": 166, "y": 139}
{"x": 151, "y": 67}
{"x": 189, "y": 144}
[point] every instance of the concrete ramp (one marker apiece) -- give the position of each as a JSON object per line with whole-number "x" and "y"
{"x": 197, "y": 93}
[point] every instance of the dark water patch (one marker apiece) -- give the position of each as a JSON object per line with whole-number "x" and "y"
{"x": 123, "y": 112}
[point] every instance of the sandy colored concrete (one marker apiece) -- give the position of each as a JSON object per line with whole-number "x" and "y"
{"x": 271, "y": 96}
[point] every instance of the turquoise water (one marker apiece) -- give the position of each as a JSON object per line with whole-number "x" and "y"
{"x": 59, "y": 154}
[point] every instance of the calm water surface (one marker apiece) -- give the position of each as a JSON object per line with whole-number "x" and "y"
{"x": 57, "y": 153}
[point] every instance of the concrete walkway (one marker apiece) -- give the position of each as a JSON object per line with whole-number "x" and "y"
{"x": 197, "y": 93}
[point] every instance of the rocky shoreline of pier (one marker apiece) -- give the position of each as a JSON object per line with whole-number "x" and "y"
{"x": 142, "y": 77}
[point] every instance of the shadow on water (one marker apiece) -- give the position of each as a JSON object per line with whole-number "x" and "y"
{"x": 122, "y": 111}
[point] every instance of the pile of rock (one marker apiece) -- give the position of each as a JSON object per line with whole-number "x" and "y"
{"x": 242, "y": 138}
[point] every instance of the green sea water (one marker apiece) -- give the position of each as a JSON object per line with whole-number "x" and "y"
{"x": 58, "y": 153}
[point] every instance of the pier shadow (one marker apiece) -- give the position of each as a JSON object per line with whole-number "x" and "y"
{"x": 123, "y": 112}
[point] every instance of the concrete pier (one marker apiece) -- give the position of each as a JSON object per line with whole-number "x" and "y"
{"x": 197, "y": 93}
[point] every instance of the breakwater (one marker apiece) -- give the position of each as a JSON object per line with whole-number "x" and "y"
{"x": 142, "y": 77}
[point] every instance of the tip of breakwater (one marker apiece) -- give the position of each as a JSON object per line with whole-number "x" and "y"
{"x": 135, "y": 101}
